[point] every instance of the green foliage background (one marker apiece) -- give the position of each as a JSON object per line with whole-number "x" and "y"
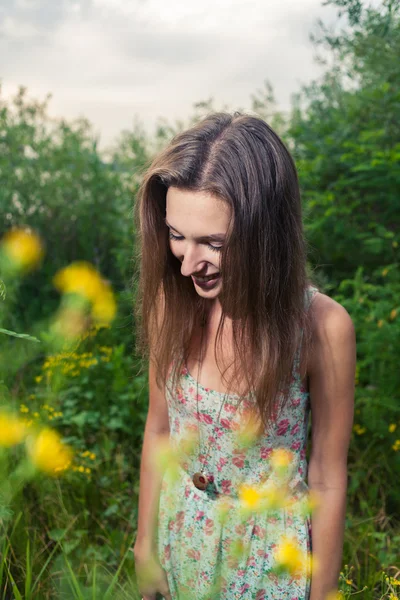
{"x": 344, "y": 133}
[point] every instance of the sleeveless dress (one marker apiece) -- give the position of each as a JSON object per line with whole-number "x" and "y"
{"x": 208, "y": 556}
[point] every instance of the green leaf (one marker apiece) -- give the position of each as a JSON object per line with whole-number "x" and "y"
{"x": 24, "y": 336}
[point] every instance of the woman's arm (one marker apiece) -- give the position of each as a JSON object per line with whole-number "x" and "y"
{"x": 157, "y": 428}
{"x": 331, "y": 383}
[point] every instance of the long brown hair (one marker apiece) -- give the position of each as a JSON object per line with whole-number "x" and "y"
{"x": 239, "y": 159}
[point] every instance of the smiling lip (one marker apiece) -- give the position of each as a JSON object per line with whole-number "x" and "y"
{"x": 207, "y": 284}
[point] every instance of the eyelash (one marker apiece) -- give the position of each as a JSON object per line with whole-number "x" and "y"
{"x": 177, "y": 238}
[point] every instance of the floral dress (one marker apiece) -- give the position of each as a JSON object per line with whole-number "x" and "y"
{"x": 210, "y": 553}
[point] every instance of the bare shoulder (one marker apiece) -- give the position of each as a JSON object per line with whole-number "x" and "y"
{"x": 332, "y": 329}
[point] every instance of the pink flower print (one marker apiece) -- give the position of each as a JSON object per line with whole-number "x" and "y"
{"x": 209, "y": 527}
{"x": 240, "y": 572}
{"x": 296, "y": 401}
{"x": 273, "y": 577}
{"x": 295, "y": 446}
{"x": 189, "y": 533}
{"x": 259, "y": 532}
{"x": 167, "y": 552}
{"x": 191, "y": 390}
{"x": 204, "y": 418}
{"x": 260, "y": 595}
{"x": 295, "y": 429}
{"x": 226, "y": 486}
{"x": 235, "y": 426}
{"x": 171, "y": 525}
{"x": 229, "y": 407}
{"x": 199, "y": 397}
{"x": 225, "y": 423}
{"x": 244, "y": 588}
{"x": 265, "y": 452}
{"x": 238, "y": 461}
{"x": 283, "y": 426}
{"x": 195, "y": 554}
{"x": 179, "y": 520}
{"x": 221, "y": 463}
{"x": 240, "y": 529}
{"x": 199, "y": 515}
{"x": 181, "y": 398}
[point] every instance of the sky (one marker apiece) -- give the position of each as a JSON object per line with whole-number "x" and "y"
{"x": 114, "y": 61}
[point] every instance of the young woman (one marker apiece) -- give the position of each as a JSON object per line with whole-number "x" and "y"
{"x": 234, "y": 328}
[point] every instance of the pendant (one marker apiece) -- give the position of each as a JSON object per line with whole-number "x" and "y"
{"x": 200, "y": 480}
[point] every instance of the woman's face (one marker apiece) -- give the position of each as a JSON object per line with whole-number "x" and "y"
{"x": 198, "y": 223}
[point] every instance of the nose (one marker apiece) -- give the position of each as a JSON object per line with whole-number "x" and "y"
{"x": 192, "y": 261}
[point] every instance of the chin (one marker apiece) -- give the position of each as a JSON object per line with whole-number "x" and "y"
{"x": 209, "y": 293}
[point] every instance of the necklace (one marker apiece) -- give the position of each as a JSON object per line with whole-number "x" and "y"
{"x": 201, "y": 479}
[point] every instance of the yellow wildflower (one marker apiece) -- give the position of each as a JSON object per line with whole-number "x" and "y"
{"x": 380, "y": 322}
{"x": 334, "y": 596}
{"x": 83, "y": 279}
{"x": 48, "y": 453}
{"x": 393, "y": 314}
{"x": 281, "y": 458}
{"x": 23, "y": 408}
{"x": 385, "y": 272}
{"x": 358, "y": 429}
{"x": 92, "y": 456}
{"x": 39, "y": 378}
{"x": 289, "y": 555}
{"x": 79, "y": 278}
{"x": 396, "y": 445}
{"x": 249, "y": 496}
{"x": 392, "y": 427}
{"x": 274, "y": 496}
{"x": 12, "y": 430}
{"x": 23, "y": 248}
{"x": 104, "y": 308}
{"x": 349, "y": 581}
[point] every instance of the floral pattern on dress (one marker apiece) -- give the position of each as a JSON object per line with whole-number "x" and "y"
{"x": 195, "y": 546}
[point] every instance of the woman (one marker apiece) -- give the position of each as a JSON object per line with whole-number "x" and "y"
{"x": 237, "y": 336}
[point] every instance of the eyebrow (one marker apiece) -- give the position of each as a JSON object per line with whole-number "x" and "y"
{"x": 214, "y": 237}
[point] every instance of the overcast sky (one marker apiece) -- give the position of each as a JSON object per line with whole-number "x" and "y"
{"x": 112, "y": 60}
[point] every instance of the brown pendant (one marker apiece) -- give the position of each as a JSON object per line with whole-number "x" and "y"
{"x": 200, "y": 480}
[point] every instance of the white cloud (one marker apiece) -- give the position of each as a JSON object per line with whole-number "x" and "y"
{"x": 113, "y": 59}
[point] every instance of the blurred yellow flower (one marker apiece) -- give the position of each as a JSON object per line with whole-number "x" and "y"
{"x": 23, "y": 248}
{"x": 79, "y": 278}
{"x": 281, "y": 458}
{"x": 392, "y": 427}
{"x": 104, "y": 307}
{"x": 358, "y": 429}
{"x": 396, "y": 445}
{"x": 48, "y": 453}
{"x": 249, "y": 496}
{"x": 334, "y": 596}
{"x": 82, "y": 278}
{"x": 393, "y": 314}
{"x": 289, "y": 555}
{"x": 380, "y": 322}
{"x": 274, "y": 496}
{"x": 385, "y": 272}
{"x": 395, "y": 244}
{"x": 12, "y": 430}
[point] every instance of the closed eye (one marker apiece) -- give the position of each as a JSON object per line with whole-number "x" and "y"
{"x": 178, "y": 238}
